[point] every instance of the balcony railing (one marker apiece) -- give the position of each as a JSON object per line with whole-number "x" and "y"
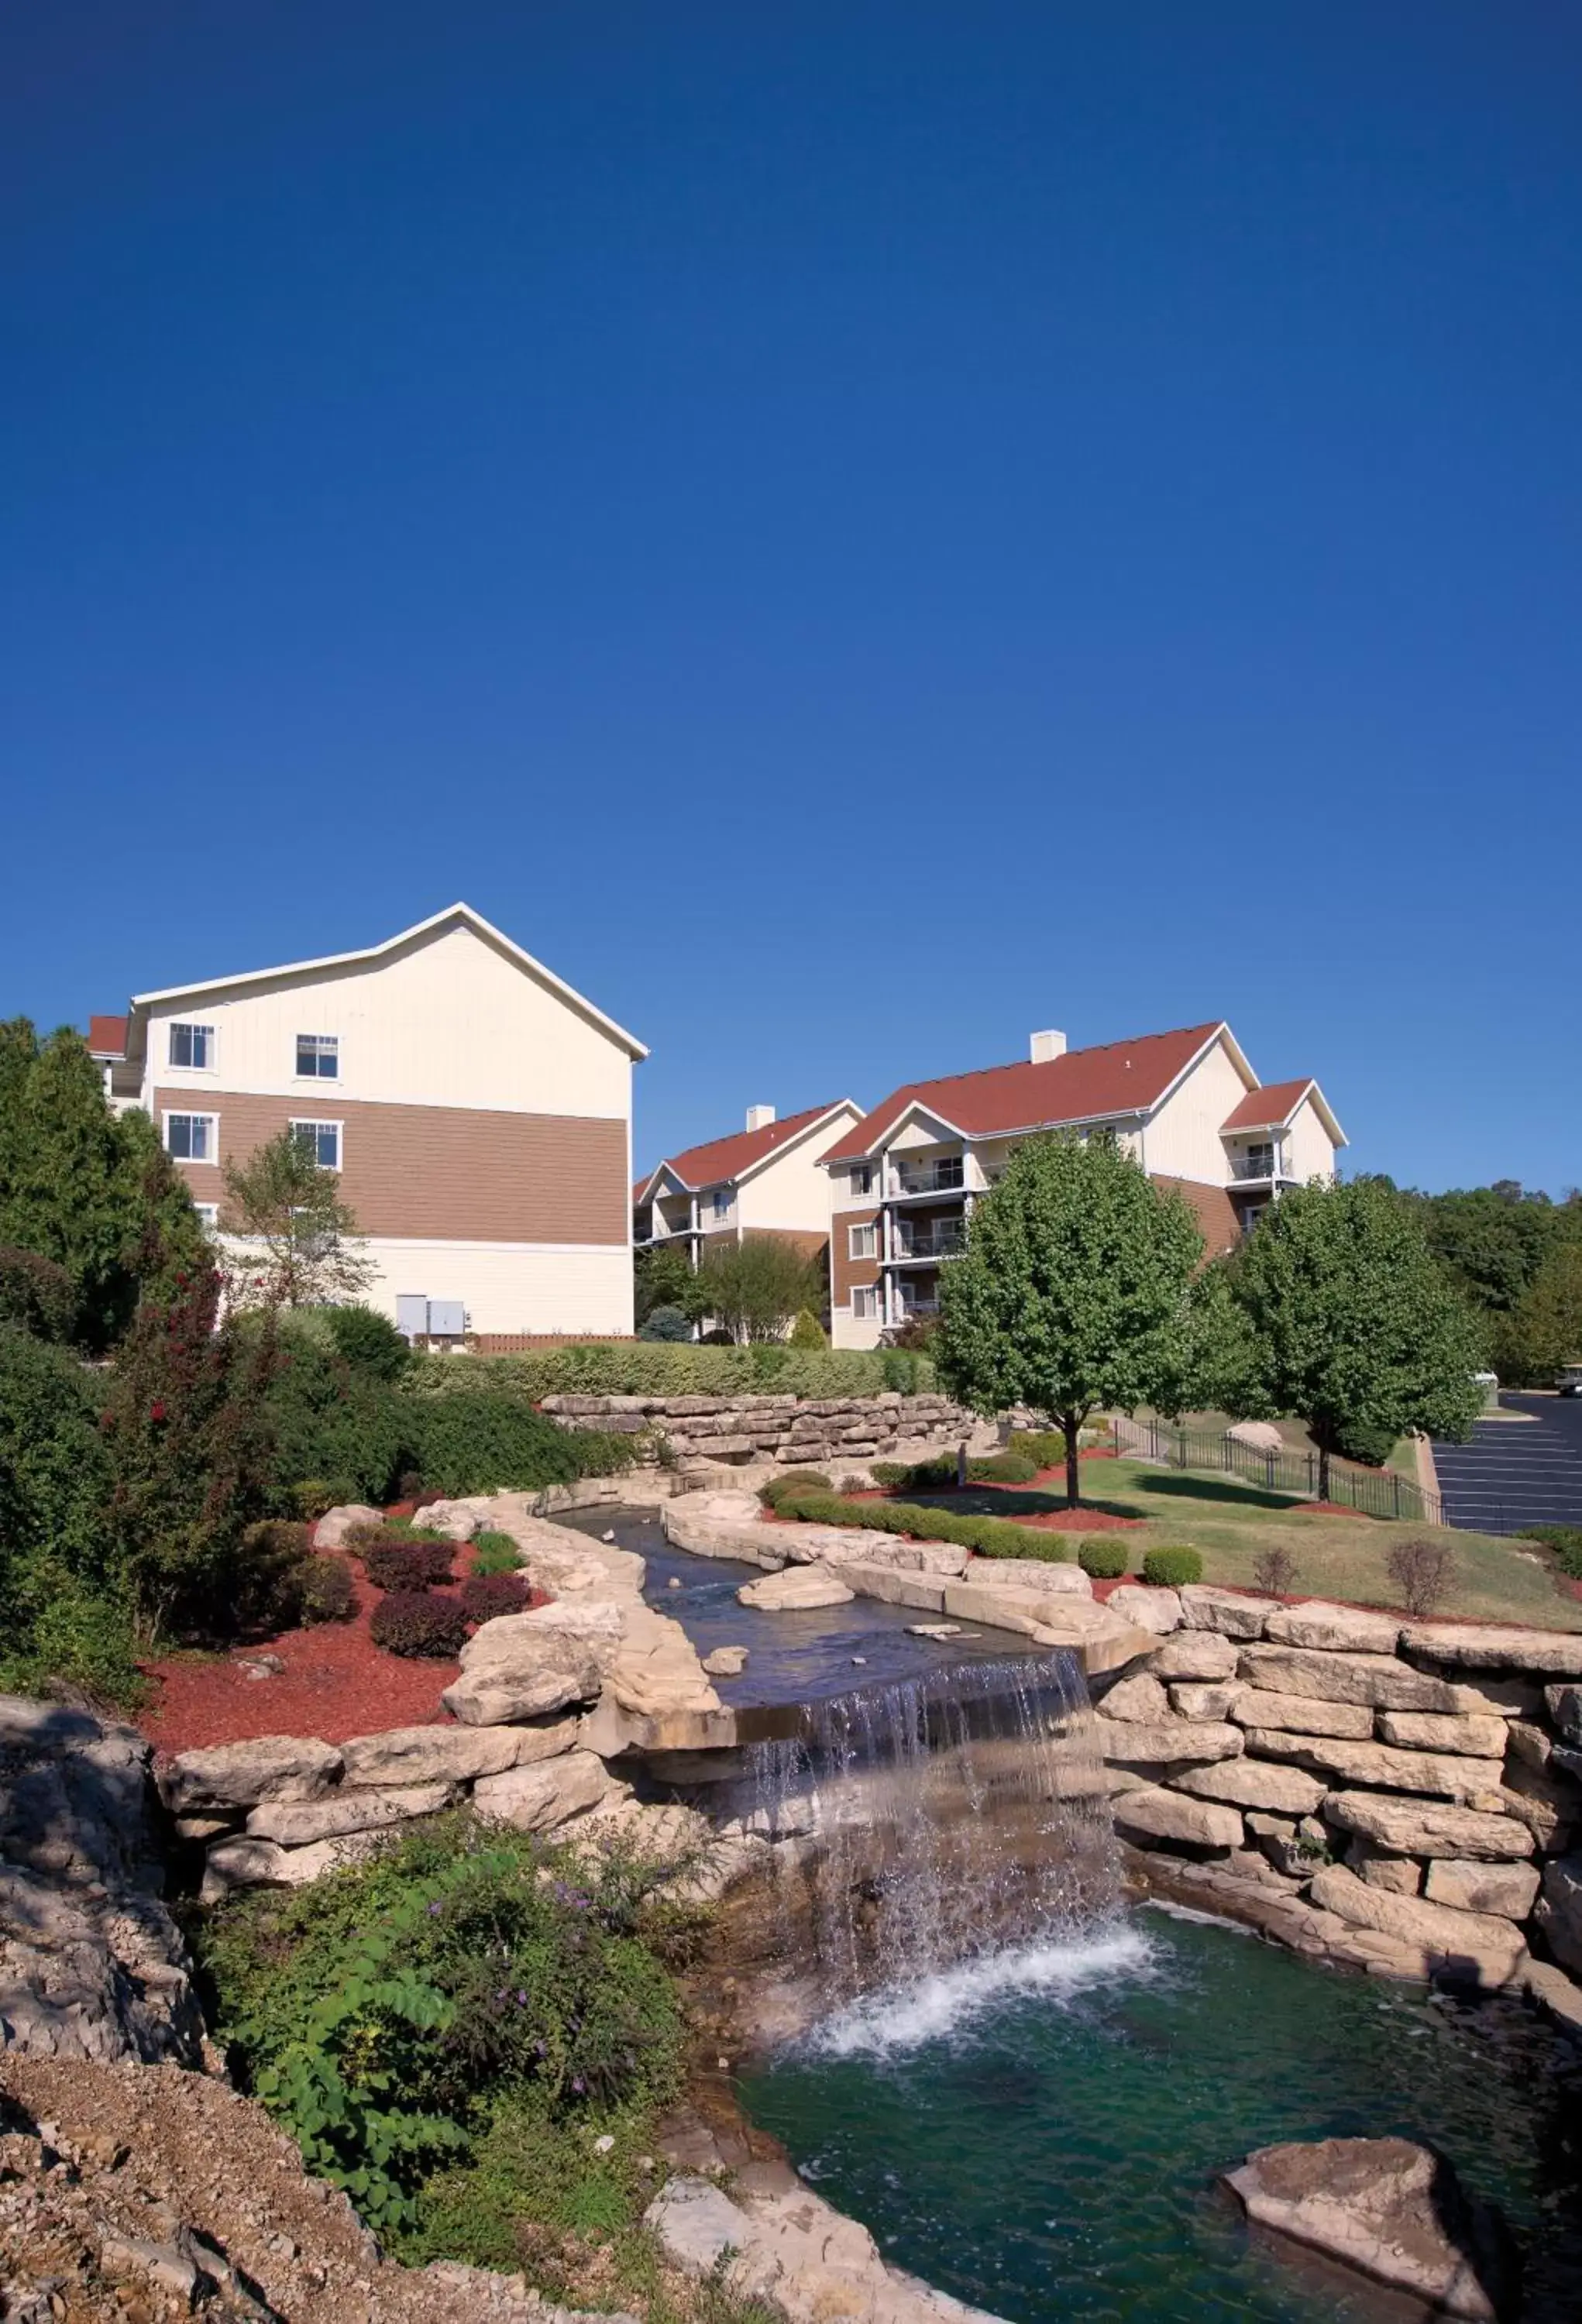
{"x": 1257, "y": 1162}
{"x": 930, "y": 1178}
{"x": 905, "y": 1307}
{"x": 942, "y": 1240}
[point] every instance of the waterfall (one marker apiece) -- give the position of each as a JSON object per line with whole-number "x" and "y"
{"x": 938, "y": 1821}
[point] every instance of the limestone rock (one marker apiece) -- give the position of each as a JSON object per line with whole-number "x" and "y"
{"x": 243, "y": 1774}
{"x": 525, "y": 1666}
{"x": 1191, "y": 1654}
{"x": 537, "y": 1798}
{"x": 1529, "y": 1744}
{"x": 1140, "y": 1698}
{"x": 1554, "y": 1991}
{"x": 1059, "y": 1577}
{"x": 1388, "y": 2208}
{"x": 1299, "y": 1714}
{"x": 336, "y": 1524}
{"x": 297, "y": 1823}
{"x": 1475, "y": 1945}
{"x": 1212, "y": 1699}
{"x": 250, "y": 1862}
{"x": 1565, "y": 1708}
{"x": 1509, "y": 1890}
{"x": 1375, "y": 1763}
{"x": 1401, "y": 1875}
{"x": 798, "y": 1588}
{"x": 1345, "y": 1630}
{"x": 726, "y": 1662}
{"x": 1482, "y": 1738}
{"x": 1377, "y": 1679}
{"x": 1233, "y": 1617}
{"x": 1467, "y": 1646}
{"x": 1559, "y": 1910}
{"x": 1162, "y": 1743}
{"x": 1261, "y": 1435}
{"x": 455, "y": 1520}
{"x": 1158, "y": 1610}
{"x": 1252, "y": 1784}
{"x": 1153, "y": 1813}
{"x": 450, "y": 1755}
{"x": 1425, "y": 1828}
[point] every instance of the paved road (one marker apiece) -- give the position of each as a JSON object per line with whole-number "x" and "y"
{"x": 1517, "y": 1473}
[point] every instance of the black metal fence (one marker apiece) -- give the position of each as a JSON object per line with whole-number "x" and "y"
{"x": 1371, "y": 1492}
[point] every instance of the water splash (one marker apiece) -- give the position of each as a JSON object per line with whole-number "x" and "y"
{"x": 947, "y": 2003}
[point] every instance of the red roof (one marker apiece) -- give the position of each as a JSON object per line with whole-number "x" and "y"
{"x": 1268, "y": 1108}
{"x": 1123, "y": 1077}
{"x": 107, "y": 1037}
{"x": 728, "y": 1158}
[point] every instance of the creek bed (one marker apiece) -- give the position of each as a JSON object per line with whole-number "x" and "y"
{"x": 1040, "y": 2132}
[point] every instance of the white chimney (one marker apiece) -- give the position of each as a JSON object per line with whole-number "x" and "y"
{"x": 759, "y": 1117}
{"x": 1045, "y": 1045}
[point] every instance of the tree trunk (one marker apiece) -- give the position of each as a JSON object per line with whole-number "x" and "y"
{"x": 1072, "y": 1426}
{"x": 1323, "y": 1468}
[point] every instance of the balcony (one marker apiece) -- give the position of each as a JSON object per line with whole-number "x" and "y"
{"x": 943, "y": 1177}
{"x": 905, "y": 1307}
{"x": 1257, "y": 1165}
{"x": 941, "y": 1239}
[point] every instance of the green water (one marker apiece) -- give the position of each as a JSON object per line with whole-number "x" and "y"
{"x": 1042, "y": 2138}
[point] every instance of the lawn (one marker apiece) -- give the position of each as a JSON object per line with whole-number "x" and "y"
{"x": 1496, "y": 1580}
{"x": 1294, "y": 1433}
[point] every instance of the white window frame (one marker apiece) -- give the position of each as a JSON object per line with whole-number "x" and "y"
{"x": 209, "y": 1216}
{"x": 721, "y": 1204}
{"x": 181, "y": 1113}
{"x": 862, "y": 1178}
{"x": 317, "y": 1124}
{"x": 856, "y": 1248}
{"x": 864, "y": 1302}
{"x": 319, "y": 1039}
{"x": 210, "y": 1040}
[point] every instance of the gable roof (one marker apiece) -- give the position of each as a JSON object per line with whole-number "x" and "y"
{"x": 734, "y": 1158}
{"x": 1122, "y": 1078}
{"x": 107, "y": 1037}
{"x": 1272, "y": 1107}
{"x": 462, "y": 915}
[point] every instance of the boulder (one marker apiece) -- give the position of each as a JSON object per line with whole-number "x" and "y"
{"x": 1378, "y": 1680}
{"x": 537, "y": 1798}
{"x": 243, "y": 1774}
{"x": 1559, "y": 1910}
{"x": 726, "y": 1662}
{"x": 1345, "y": 1629}
{"x": 1482, "y": 1738}
{"x": 1158, "y": 1610}
{"x": 1205, "y": 1699}
{"x": 1163, "y": 1743}
{"x": 1401, "y": 1875}
{"x": 798, "y": 1588}
{"x": 450, "y": 1755}
{"x": 249, "y": 1862}
{"x": 525, "y": 1666}
{"x": 1261, "y": 1435}
{"x": 1508, "y": 1890}
{"x": 1233, "y": 1616}
{"x": 1425, "y": 1828}
{"x": 1140, "y": 1698}
{"x": 297, "y": 1823}
{"x": 1059, "y": 1579}
{"x": 1190, "y": 1654}
{"x": 455, "y": 1520}
{"x": 1477, "y": 1946}
{"x": 1252, "y": 1784}
{"x": 1390, "y": 2208}
{"x": 1565, "y": 1709}
{"x": 1152, "y": 1813}
{"x": 1299, "y": 1714}
{"x": 1375, "y": 1763}
{"x": 334, "y": 1526}
{"x": 1475, "y": 1646}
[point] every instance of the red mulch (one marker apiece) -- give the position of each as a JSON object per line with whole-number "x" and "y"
{"x": 1083, "y": 1520}
{"x": 337, "y": 1683}
{"x": 1323, "y": 1509}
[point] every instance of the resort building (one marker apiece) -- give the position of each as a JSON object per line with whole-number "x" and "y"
{"x": 476, "y": 1111}
{"x": 1186, "y": 1105}
{"x": 766, "y": 1179}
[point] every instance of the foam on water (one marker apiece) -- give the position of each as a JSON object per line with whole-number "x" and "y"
{"x": 944, "y": 2004}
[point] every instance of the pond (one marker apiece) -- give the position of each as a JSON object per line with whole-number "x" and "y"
{"x": 1040, "y": 2132}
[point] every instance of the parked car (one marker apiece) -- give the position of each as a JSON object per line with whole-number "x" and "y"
{"x": 1568, "y": 1380}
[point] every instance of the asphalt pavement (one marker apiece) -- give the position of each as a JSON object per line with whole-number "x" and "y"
{"x": 1516, "y": 1472}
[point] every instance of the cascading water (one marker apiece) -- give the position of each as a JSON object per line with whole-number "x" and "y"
{"x": 942, "y": 1823}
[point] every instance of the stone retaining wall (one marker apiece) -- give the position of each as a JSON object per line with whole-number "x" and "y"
{"x": 1417, "y": 1786}
{"x": 813, "y": 1432}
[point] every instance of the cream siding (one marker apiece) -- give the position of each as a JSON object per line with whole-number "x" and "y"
{"x": 1184, "y": 1138}
{"x": 1308, "y": 1150}
{"x": 511, "y": 1288}
{"x": 849, "y": 1331}
{"x": 791, "y": 1190}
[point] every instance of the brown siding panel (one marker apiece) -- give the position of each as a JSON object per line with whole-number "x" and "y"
{"x": 845, "y": 1272}
{"x": 451, "y": 1174}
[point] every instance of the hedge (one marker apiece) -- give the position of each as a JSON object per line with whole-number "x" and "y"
{"x": 656, "y": 1368}
{"x": 989, "y": 1536}
{"x": 1168, "y": 1569}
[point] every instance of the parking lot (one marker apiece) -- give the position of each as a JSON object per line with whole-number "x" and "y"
{"x": 1516, "y": 1473}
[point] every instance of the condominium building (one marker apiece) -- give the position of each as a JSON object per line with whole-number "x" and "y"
{"x": 476, "y": 1111}
{"x": 764, "y": 1179}
{"x": 1186, "y": 1105}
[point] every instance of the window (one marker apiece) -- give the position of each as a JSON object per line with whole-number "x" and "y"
{"x": 192, "y": 1046}
{"x": 208, "y": 1215}
{"x": 722, "y": 1202}
{"x": 319, "y": 1056}
{"x": 321, "y": 1139}
{"x": 865, "y": 1301}
{"x": 193, "y": 1136}
{"x": 862, "y": 1179}
{"x": 862, "y": 1242}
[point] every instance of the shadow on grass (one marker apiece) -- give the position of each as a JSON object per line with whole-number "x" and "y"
{"x": 981, "y": 1501}
{"x": 1177, "y": 1486}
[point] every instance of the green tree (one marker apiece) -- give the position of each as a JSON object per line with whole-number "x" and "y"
{"x": 808, "y": 1332}
{"x": 1072, "y": 1292}
{"x": 1546, "y": 1330}
{"x": 303, "y": 1250}
{"x": 1356, "y": 1330}
{"x": 662, "y": 1276}
{"x": 753, "y": 1287}
{"x": 88, "y": 1189}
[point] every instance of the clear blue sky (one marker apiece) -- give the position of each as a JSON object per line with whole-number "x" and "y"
{"x": 851, "y": 531}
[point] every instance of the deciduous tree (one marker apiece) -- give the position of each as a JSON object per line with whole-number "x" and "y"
{"x": 753, "y": 1287}
{"x": 302, "y": 1239}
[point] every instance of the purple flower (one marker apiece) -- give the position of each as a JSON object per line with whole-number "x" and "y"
{"x": 433, "y": 1911}
{"x": 577, "y": 2084}
{"x": 520, "y": 2000}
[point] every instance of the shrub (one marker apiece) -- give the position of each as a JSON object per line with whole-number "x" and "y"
{"x": 717, "y": 1367}
{"x": 368, "y": 1340}
{"x": 887, "y": 1473}
{"x": 1372, "y": 1447}
{"x": 408, "y": 1565}
{"x": 989, "y": 1536}
{"x": 808, "y": 1332}
{"x": 495, "y": 1553}
{"x": 480, "y": 1440}
{"x": 854, "y": 1484}
{"x": 332, "y": 1418}
{"x": 1423, "y": 1571}
{"x": 934, "y": 1475}
{"x": 266, "y": 1591}
{"x": 793, "y": 1480}
{"x": 420, "y": 1622}
{"x": 1044, "y": 1447}
{"x": 666, "y": 1324}
{"x": 35, "y": 1295}
{"x": 1105, "y": 1561}
{"x": 1002, "y": 1468}
{"x": 54, "y": 1469}
{"x": 1564, "y": 1541}
{"x": 485, "y": 1595}
{"x": 316, "y": 1495}
{"x": 1275, "y": 1570}
{"x": 325, "y": 1592}
{"x": 1171, "y": 1568}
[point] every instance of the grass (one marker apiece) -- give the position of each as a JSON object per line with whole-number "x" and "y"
{"x": 1294, "y": 1436}
{"x": 1230, "y": 1521}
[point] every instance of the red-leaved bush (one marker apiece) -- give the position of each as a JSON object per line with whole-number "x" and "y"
{"x": 409, "y": 1564}
{"x": 420, "y": 1622}
{"x": 485, "y": 1595}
